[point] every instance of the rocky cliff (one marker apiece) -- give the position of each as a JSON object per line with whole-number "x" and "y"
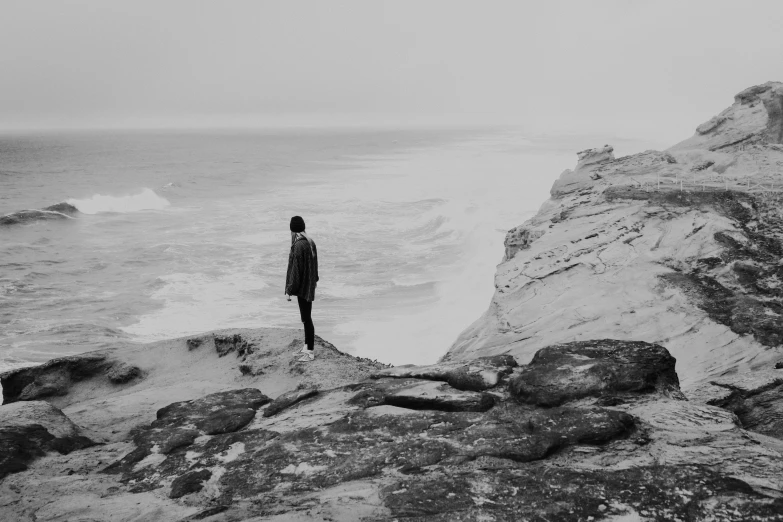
{"x": 680, "y": 248}
{"x": 623, "y": 372}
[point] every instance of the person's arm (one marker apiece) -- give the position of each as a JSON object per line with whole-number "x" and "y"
{"x": 297, "y": 268}
{"x": 292, "y": 277}
{"x": 315, "y": 251}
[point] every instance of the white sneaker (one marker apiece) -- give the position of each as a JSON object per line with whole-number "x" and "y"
{"x": 307, "y": 356}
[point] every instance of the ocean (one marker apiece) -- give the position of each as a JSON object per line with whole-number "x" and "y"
{"x": 183, "y": 232}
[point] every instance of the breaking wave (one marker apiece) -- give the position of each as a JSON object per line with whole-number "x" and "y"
{"x": 146, "y": 200}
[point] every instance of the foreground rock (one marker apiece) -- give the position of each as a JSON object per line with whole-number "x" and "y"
{"x": 387, "y": 424}
{"x": 396, "y": 446}
{"x": 679, "y": 248}
{"x": 31, "y": 429}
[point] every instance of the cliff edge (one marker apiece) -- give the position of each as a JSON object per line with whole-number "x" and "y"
{"x": 680, "y": 248}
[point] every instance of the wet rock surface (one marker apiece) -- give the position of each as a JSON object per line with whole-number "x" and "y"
{"x": 54, "y": 212}
{"x": 601, "y": 368}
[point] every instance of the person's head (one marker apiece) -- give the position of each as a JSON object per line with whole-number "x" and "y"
{"x": 297, "y": 226}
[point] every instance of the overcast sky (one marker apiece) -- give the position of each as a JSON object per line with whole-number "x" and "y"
{"x": 646, "y": 68}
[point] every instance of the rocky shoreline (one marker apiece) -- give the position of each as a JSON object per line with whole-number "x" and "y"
{"x": 626, "y": 370}
{"x": 587, "y": 429}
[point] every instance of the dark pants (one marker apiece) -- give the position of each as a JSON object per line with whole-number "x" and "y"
{"x": 306, "y": 310}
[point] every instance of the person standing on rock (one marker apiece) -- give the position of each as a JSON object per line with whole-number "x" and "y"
{"x": 301, "y": 279}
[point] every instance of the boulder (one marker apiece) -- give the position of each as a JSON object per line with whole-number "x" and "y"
{"x": 288, "y": 399}
{"x": 478, "y": 374}
{"x": 29, "y": 429}
{"x": 53, "y": 378}
{"x": 122, "y": 373}
{"x": 599, "y": 368}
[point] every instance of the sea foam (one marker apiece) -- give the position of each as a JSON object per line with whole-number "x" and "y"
{"x": 146, "y": 200}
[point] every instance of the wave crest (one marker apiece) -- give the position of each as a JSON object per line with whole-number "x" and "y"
{"x": 146, "y": 200}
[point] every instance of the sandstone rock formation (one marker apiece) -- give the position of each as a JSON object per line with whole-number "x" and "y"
{"x": 679, "y": 248}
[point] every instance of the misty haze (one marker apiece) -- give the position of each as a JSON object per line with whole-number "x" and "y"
{"x": 391, "y": 260}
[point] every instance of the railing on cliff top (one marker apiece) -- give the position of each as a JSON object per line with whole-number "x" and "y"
{"x": 765, "y": 187}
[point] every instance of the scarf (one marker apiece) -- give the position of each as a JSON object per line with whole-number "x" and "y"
{"x": 297, "y": 235}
